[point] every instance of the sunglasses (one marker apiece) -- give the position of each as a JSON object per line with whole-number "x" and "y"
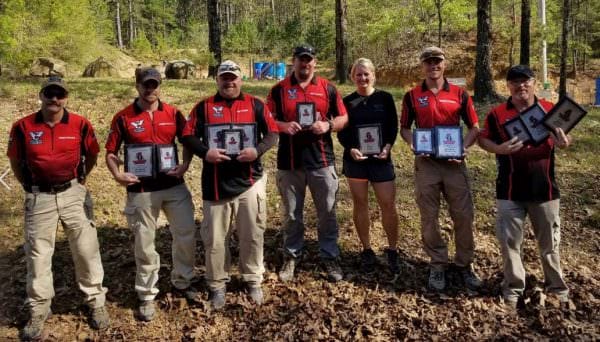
{"x": 228, "y": 68}
{"x": 50, "y": 93}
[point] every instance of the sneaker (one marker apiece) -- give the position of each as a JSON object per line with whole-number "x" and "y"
{"x": 437, "y": 279}
{"x": 392, "y": 259}
{"x": 334, "y": 272}
{"x": 256, "y": 293}
{"x": 367, "y": 260}
{"x": 190, "y": 293}
{"x": 217, "y": 299}
{"x": 470, "y": 278}
{"x": 287, "y": 270}
{"x": 34, "y": 327}
{"x": 99, "y": 318}
{"x": 146, "y": 310}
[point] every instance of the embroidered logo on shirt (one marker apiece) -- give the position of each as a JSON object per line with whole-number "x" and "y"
{"x": 36, "y": 137}
{"x": 218, "y": 111}
{"x": 423, "y": 101}
{"x": 292, "y": 93}
{"x": 138, "y": 126}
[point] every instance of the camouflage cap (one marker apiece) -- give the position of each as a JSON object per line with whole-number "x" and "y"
{"x": 55, "y": 81}
{"x": 432, "y": 52}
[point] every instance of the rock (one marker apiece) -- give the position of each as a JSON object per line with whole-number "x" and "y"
{"x": 100, "y": 68}
{"x": 180, "y": 69}
{"x": 46, "y": 66}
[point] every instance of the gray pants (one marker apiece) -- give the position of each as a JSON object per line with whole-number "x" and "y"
{"x": 545, "y": 221}
{"x": 323, "y": 185}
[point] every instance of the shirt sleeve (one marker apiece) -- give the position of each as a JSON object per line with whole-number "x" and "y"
{"x": 491, "y": 128}
{"x": 408, "y": 112}
{"x": 115, "y": 135}
{"x": 193, "y": 132}
{"x": 336, "y": 105}
{"x": 390, "y": 130}
{"x": 90, "y": 140}
{"x": 180, "y": 123}
{"x": 16, "y": 141}
{"x": 467, "y": 110}
{"x": 274, "y": 104}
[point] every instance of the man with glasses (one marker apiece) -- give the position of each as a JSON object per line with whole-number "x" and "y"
{"x": 437, "y": 103}
{"x": 305, "y": 158}
{"x": 526, "y": 186}
{"x": 231, "y": 131}
{"x": 148, "y": 128}
{"x": 51, "y": 153}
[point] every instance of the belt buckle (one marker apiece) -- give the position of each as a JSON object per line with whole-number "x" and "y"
{"x": 60, "y": 187}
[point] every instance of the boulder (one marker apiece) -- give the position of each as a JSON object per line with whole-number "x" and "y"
{"x": 100, "y": 68}
{"x": 46, "y": 66}
{"x": 180, "y": 69}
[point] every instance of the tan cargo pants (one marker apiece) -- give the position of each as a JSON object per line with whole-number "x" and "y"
{"x": 43, "y": 212}
{"x": 247, "y": 215}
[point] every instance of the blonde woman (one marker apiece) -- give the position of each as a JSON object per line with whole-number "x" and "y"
{"x": 369, "y": 107}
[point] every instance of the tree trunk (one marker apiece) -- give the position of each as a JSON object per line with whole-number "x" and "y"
{"x": 341, "y": 41}
{"x": 525, "y": 35}
{"x": 118, "y": 24}
{"x": 562, "y": 89}
{"x": 438, "y": 7}
{"x": 131, "y": 26}
{"x": 214, "y": 34}
{"x": 484, "y": 84}
{"x": 513, "y": 19}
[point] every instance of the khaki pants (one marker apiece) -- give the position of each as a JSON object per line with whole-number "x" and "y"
{"x": 545, "y": 220}
{"x": 432, "y": 178}
{"x": 247, "y": 215}
{"x": 43, "y": 212}
{"x": 142, "y": 211}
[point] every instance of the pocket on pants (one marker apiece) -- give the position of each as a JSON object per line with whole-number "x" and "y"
{"x": 29, "y": 202}
{"x": 261, "y": 214}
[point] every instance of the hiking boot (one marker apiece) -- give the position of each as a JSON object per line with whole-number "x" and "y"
{"x": 392, "y": 259}
{"x": 287, "y": 270}
{"x": 217, "y": 299}
{"x": 256, "y": 293}
{"x": 146, "y": 311}
{"x": 190, "y": 293}
{"x": 99, "y": 318}
{"x": 334, "y": 272}
{"x": 367, "y": 260}
{"x": 34, "y": 327}
{"x": 471, "y": 280}
{"x": 437, "y": 279}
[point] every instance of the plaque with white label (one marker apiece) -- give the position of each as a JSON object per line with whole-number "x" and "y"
{"x": 213, "y": 134}
{"x": 516, "y": 128}
{"x": 449, "y": 142}
{"x": 306, "y": 114}
{"x": 566, "y": 114}
{"x": 249, "y": 137}
{"x": 369, "y": 139}
{"x": 232, "y": 141}
{"x": 423, "y": 141}
{"x": 167, "y": 157}
{"x": 533, "y": 119}
{"x": 139, "y": 160}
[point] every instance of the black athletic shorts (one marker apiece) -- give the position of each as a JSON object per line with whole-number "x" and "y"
{"x": 374, "y": 171}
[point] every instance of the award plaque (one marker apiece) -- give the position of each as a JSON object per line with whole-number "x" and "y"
{"x": 423, "y": 141}
{"x": 213, "y": 134}
{"x": 516, "y": 128}
{"x": 306, "y": 114}
{"x": 533, "y": 118}
{"x": 566, "y": 114}
{"x": 369, "y": 139}
{"x": 249, "y": 137}
{"x": 167, "y": 157}
{"x": 449, "y": 142}
{"x": 232, "y": 141}
{"x": 139, "y": 160}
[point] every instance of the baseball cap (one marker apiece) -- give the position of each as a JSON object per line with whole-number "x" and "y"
{"x": 55, "y": 81}
{"x": 147, "y": 73}
{"x": 304, "y": 50}
{"x": 519, "y": 71}
{"x": 432, "y": 52}
{"x": 229, "y": 67}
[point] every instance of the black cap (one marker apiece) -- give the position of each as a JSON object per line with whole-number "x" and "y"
{"x": 304, "y": 50}
{"x": 55, "y": 81}
{"x": 147, "y": 73}
{"x": 519, "y": 71}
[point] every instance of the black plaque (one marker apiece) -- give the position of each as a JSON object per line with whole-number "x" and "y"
{"x": 448, "y": 142}
{"x": 139, "y": 160}
{"x": 423, "y": 141}
{"x": 565, "y": 114}
{"x": 306, "y": 114}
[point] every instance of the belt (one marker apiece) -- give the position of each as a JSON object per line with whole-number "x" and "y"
{"x": 50, "y": 188}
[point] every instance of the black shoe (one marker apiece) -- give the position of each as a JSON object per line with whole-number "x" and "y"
{"x": 35, "y": 326}
{"x": 190, "y": 293}
{"x": 287, "y": 270}
{"x": 368, "y": 260}
{"x": 333, "y": 269}
{"x": 392, "y": 259}
{"x": 217, "y": 299}
{"x": 470, "y": 278}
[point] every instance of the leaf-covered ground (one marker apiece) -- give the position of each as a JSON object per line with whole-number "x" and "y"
{"x": 361, "y": 307}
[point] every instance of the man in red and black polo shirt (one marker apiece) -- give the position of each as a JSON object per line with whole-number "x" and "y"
{"x": 146, "y": 127}
{"x": 51, "y": 152}
{"x": 526, "y": 185}
{"x": 305, "y": 157}
{"x": 233, "y": 179}
{"x": 437, "y": 103}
